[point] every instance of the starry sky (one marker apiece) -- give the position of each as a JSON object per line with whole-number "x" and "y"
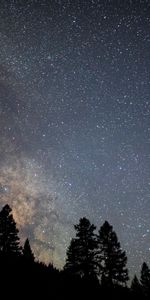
{"x": 75, "y": 121}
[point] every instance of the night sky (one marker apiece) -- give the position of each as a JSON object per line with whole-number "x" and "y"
{"x": 75, "y": 121}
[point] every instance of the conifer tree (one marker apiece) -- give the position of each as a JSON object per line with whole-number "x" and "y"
{"x": 136, "y": 286}
{"x": 145, "y": 279}
{"x": 81, "y": 251}
{"x": 112, "y": 260}
{"x": 27, "y": 251}
{"x": 9, "y": 240}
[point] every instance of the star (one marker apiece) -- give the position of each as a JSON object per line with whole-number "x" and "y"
{"x": 74, "y": 121}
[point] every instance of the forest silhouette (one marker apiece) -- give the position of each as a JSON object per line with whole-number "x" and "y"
{"x": 95, "y": 267}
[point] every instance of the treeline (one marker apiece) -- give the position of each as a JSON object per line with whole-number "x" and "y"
{"x": 96, "y": 266}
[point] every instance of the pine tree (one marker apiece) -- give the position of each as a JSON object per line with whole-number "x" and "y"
{"x": 27, "y": 252}
{"x": 136, "y": 287}
{"x": 112, "y": 260}
{"x": 9, "y": 240}
{"x": 81, "y": 252}
{"x": 72, "y": 257}
{"x": 145, "y": 279}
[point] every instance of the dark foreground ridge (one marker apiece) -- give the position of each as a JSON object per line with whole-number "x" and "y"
{"x": 95, "y": 266}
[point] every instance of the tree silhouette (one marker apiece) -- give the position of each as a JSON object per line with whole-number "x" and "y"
{"x": 145, "y": 279}
{"x": 81, "y": 252}
{"x": 136, "y": 287}
{"x": 72, "y": 263}
{"x": 9, "y": 240}
{"x": 112, "y": 260}
{"x": 27, "y": 252}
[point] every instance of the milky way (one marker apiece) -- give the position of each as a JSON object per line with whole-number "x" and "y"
{"x": 34, "y": 204}
{"x": 75, "y": 121}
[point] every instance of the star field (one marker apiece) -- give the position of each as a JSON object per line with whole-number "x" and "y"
{"x": 75, "y": 120}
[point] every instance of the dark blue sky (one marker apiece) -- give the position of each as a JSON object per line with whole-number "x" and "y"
{"x": 75, "y": 120}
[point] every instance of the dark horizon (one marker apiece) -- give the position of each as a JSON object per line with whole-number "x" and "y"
{"x": 95, "y": 265}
